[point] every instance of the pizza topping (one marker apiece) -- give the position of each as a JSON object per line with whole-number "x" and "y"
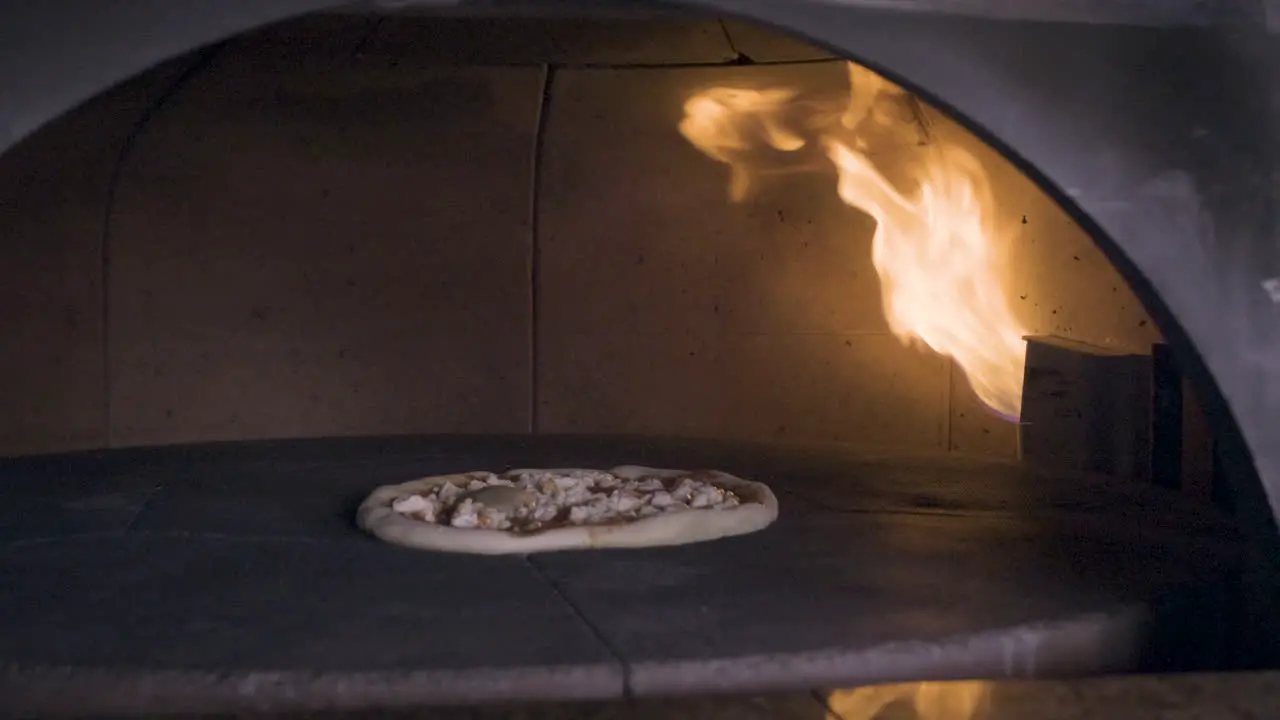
{"x": 448, "y": 493}
{"x": 466, "y": 514}
{"x": 423, "y": 508}
{"x": 533, "y": 500}
{"x": 506, "y": 498}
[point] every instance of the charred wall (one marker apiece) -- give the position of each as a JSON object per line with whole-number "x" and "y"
{"x": 339, "y": 226}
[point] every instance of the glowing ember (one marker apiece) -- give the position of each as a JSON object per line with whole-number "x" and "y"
{"x": 935, "y": 247}
{"x": 928, "y": 700}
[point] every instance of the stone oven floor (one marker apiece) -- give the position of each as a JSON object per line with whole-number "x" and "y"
{"x": 231, "y": 578}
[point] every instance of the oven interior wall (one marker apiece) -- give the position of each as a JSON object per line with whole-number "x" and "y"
{"x": 351, "y": 225}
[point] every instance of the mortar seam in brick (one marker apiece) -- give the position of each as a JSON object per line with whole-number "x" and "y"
{"x": 535, "y": 250}
{"x": 189, "y": 73}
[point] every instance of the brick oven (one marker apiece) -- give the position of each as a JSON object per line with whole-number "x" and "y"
{"x": 253, "y": 281}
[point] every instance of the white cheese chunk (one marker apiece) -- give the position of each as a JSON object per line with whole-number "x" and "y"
{"x": 465, "y": 515}
{"x": 411, "y": 504}
{"x": 626, "y": 503}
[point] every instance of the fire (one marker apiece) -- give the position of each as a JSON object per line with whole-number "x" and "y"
{"x": 936, "y": 247}
{"x": 729, "y": 122}
{"x": 929, "y": 700}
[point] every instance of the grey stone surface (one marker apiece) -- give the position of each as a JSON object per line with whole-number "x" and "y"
{"x": 975, "y": 487}
{"x": 705, "y": 621}
{"x": 1102, "y": 643}
{"x": 217, "y": 603}
{"x": 271, "y": 501}
{"x": 242, "y": 587}
{"x": 1204, "y": 696}
{"x": 69, "y": 511}
{"x": 43, "y": 692}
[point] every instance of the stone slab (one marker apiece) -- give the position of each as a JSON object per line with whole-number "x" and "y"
{"x": 232, "y": 594}
{"x": 765, "y": 44}
{"x": 1217, "y": 696}
{"x": 40, "y": 517}
{"x": 53, "y": 194}
{"x": 275, "y": 616}
{"x": 793, "y": 258}
{"x": 288, "y": 258}
{"x": 970, "y": 487}
{"x": 864, "y": 390}
{"x": 883, "y": 588}
{"x": 308, "y": 501}
{"x": 61, "y": 496}
{"x": 641, "y": 41}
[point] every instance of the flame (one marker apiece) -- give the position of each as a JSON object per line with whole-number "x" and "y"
{"x": 865, "y": 90}
{"x": 929, "y": 700}
{"x": 936, "y": 246}
{"x": 727, "y": 120}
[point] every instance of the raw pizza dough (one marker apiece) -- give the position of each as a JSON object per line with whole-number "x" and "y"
{"x": 394, "y": 515}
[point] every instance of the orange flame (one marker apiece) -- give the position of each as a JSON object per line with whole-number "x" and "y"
{"x": 935, "y": 247}
{"x": 929, "y": 700}
{"x": 727, "y": 120}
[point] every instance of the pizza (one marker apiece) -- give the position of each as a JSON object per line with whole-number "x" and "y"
{"x": 528, "y": 510}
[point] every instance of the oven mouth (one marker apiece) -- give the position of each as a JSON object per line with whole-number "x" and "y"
{"x": 361, "y": 247}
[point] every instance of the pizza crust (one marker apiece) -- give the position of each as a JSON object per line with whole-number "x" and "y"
{"x": 758, "y": 510}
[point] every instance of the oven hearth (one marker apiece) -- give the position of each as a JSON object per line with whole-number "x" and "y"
{"x": 230, "y": 578}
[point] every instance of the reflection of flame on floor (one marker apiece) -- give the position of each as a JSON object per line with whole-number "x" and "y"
{"x": 912, "y": 701}
{"x": 935, "y": 248}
